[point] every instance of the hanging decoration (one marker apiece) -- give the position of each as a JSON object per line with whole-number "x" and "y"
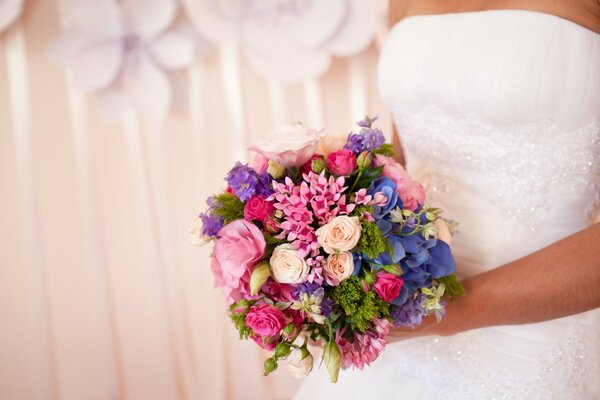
{"x": 287, "y": 40}
{"x": 131, "y": 53}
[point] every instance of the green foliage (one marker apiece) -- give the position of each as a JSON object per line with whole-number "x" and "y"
{"x": 358, "y": 210}
{"x": 237, "y": 314}
{"x": 359, "y": 306}
{"x": 229, "y": 207}
{"x": 372, "y": 242}
{"x": 365, "y": 177}
{"x": 386, "y": 149}
{"x": 272, "y": 242}
{"x": 453, "y": 286}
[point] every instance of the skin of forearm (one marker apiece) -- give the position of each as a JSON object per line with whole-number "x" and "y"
{"x": 559, "y": 280}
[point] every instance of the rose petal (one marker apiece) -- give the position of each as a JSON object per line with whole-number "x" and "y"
{"x": 148, "y": 18}
{"x": 96, "y": 65}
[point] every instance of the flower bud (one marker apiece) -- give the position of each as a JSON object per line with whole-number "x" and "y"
{"x": 317, "y": 165}
{"x": 333, "y": 360}
{"x": 259, "y": 276}
{"x": 289, "y": 329}
{"x": 282, "y": 350}
{"x": 363, "y": 160}
{"x": 299, "y": 363}
{"x": 270, "y": 366}
{"x": 275, "y": 169}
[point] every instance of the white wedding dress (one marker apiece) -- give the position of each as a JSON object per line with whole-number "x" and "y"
{"x": 499, "y": 116}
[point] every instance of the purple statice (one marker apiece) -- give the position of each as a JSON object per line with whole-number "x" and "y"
{"x": 245, "y": 182}
{"x": 409, "y": 314}
{"x": 306, "y": 287}
{"x": 264, "y": 186}
{"x": 211, "y": 225}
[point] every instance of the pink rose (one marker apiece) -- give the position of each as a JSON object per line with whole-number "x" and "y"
{"x": 341, "y": 162}
{"x": 240, "y": 245}
{"x": 289, "y": 145}
{"x": 267, "y": 343}
{"x": 259, "y": 163}
{"x": 258, "y": 208}
{"x": 265, "y": 320}
{"x": 410, "y": 191}
{"x": 388, "y": 286}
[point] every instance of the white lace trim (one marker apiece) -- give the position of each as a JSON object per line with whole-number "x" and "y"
{"x": 524, "y": 160}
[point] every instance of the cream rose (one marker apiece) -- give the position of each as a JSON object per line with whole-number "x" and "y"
{"x": 297, "y": 366}
{"x": 289, "y": 145}
{"x": 442, "y": 232}
{"x": 339, "y": 267}
{"x": 287, "y": 266}
{"x": 341, "y": 233}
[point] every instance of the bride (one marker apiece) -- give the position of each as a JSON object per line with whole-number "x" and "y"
{"x": 497, "y": 104}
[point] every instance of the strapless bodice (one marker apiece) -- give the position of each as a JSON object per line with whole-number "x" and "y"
{"x": 499, "y": 117}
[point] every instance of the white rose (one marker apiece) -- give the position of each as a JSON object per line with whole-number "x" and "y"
{"x": 287, "y": 266}
{"x": 290, "y": 145}
{"x": 341, "y": 233}
{"x": 441, "y": 231}
{"x": 339, "y": 266}
{"x": 297, "y": 366}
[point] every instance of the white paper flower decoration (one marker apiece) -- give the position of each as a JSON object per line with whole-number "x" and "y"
{"x": 9, "y": 12}
{"x": 128, "y": 53}
{"x": 287, "y": 40}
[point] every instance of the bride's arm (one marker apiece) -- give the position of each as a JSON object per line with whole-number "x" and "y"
{"x": 559, "y": 280}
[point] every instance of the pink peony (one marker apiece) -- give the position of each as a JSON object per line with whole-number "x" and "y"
{"x": 341, "y": 162}
{"x": 289, "y": 145}
{"x": 411, "y": 192}
{"x": 388, "y": 286}
{"x": 265, "y": 320}
{"x": 240, "y": 245}
{"x": 258, "y": 208}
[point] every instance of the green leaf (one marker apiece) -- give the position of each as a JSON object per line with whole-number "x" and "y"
{"x": 453, "y": 286}
{"x": 386, "y": 149}
{"x": 228, "y": 207}
{"x": 366, "y": 176}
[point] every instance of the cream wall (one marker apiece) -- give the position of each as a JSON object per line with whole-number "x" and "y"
{"x": 101, "y": 295}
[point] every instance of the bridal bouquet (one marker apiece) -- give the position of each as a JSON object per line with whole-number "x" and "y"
{"x": 332, "y": 246}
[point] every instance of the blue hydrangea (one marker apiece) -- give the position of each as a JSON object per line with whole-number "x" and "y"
{"x": 410, "y": 313}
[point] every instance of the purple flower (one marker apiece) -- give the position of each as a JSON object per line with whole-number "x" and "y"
{"x": 372, "y": 138}
{"x": 306, "y": 287}
{"x": 211, "y": 225}
{"x": 326, "y": 306}
{"x": 367, "y": 122}
{"x": 245, "y": 182}
{"x": 410, "y": 313}
{"x": 355, "y": 143}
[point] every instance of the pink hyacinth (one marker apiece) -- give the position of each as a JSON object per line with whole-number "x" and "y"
{"x": 365, "y": 347}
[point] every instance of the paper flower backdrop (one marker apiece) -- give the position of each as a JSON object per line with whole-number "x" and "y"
{"x": 9, "y": 12}
{"x": 127, "y": 53}
{"x": 287, "y": 40}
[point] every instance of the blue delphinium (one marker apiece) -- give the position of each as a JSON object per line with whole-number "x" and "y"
{"x": 246, "y": 182}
